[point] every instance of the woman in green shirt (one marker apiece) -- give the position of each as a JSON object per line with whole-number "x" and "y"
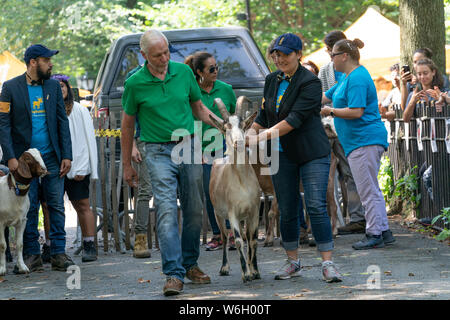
{"x": 205, "y": 70}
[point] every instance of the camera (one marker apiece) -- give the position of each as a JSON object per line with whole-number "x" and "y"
{"x": 405, "y": 68}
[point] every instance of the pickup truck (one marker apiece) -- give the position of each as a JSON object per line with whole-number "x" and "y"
{"x": 241, "y": 65}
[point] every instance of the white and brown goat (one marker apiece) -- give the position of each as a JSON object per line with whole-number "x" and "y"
{"x": 235, "y": 191}
{"x": 14, "y": 202}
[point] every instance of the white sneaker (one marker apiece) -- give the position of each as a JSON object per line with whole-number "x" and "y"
{"x": 330, "y": 273}
{"x": 288, "y": 270}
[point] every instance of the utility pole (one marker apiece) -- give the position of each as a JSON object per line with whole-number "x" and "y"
{"x": 249, "y": 21}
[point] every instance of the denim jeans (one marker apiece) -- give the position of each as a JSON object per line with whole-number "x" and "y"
{"x": 178, "y": 254}
{"x": 53, "y": 190}
{"x": 314, "y": 176}
{"x": 209, "y": 206}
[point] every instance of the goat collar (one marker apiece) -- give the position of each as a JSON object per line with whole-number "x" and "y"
{"x": 19, "y": 184}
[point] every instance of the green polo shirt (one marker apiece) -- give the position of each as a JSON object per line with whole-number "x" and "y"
{"x": 162, "y": 106}
{"x": 225, "y": 92}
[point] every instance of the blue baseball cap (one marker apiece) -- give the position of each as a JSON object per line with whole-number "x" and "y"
{"x": 287, "y": 43}
{"x": 38, "y": 50}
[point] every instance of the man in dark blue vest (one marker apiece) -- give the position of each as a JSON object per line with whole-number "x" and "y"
{"x": 33, "y": 115}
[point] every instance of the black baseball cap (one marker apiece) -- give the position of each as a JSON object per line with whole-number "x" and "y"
{"x": 38, "y": 50}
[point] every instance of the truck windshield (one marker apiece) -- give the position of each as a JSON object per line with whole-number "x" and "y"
{"x": 236, "y": 65}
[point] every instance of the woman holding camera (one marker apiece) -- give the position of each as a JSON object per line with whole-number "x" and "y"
{"x": 430, "y": 83}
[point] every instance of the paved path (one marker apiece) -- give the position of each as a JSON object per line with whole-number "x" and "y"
{"x": 416, "y": 267}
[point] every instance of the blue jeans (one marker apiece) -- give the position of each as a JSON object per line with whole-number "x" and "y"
{"x": 53, "y": 191}
{"x": 178, "y": 254}
{"x": 209, "y": 206}
{"x": 314, "y": 176}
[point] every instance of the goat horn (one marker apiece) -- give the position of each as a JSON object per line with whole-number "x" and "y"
{"x": 239, "y": 103}
{"x": 222, "y": 108}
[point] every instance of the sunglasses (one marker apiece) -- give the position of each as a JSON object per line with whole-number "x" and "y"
{"x": 213, "y": 68}
{"x": 332, "y": 55}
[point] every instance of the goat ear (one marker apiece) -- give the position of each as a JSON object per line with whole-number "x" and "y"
{"x": 249, "y": 121}
{"x": 23, "y": 170}
{"x": 217, "y": 124}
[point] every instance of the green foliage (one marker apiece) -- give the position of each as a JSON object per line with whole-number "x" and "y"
{"x": 41, "y": 219}
{"x": 386, "y": 178}
{"x": 407, "y": 188}
{"x": 83, "y": 30}
{"x": 312, "y": 21}
{"x": 445, "y": 217}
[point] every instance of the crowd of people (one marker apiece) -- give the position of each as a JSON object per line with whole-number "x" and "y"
{"x": 37, "y": 110}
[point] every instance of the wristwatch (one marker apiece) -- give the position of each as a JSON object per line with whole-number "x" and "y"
{"x": 332, "y": 113}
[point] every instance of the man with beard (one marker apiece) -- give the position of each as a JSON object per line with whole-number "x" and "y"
{"x": 32, "y": 115}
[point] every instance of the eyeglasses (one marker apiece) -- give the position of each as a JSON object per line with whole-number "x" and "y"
{"x": 213, "y": 68}
{"x": 332, "y": 55}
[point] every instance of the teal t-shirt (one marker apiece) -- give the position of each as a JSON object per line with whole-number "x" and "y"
{"x": 281, "y": 90}
{"x": 40, "y": 138}
{"x": 357, "y": 90}
{"x": 338, "y": 75}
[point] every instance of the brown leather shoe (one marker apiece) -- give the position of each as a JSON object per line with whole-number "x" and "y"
{"x": 353, "y": 227}
{"x": 33, "y": 262}
{"x": 172, "y": 287}
{"x": 197, "y": 276}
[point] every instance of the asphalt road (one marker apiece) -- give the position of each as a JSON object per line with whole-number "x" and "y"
{"x": 415, "y": 267}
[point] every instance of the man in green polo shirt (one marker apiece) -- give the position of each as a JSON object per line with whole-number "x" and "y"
{"x": 165, "y": 97}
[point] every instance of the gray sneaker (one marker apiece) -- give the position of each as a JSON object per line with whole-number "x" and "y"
{"x": 288, "y": 270}
{"x": 330, "y": 273}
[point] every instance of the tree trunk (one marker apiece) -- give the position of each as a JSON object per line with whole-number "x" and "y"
{"x": 422, "y": 24}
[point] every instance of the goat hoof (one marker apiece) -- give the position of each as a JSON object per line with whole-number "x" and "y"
{"x": 268, "y": 244}
{"x": 256, "y": 276}
{"x": 224, "y": 272}
{"x": 2, "y": 271}
{"x": 247, "y": 279}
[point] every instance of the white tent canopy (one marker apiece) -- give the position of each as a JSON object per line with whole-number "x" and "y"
{"x": 381, "y": 39}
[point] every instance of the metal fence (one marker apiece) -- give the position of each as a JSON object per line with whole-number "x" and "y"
{"x": 424, "y": 142}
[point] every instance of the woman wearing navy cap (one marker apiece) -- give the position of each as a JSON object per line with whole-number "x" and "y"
{"x": 291, "y": 110}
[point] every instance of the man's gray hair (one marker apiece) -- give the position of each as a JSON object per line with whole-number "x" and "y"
{"x": 149, "y": 37}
